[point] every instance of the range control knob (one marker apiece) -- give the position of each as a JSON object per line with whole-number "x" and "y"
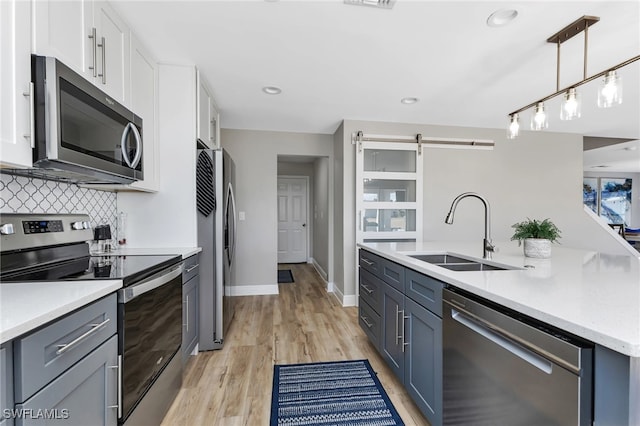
{"x": 7, "y": 229}
{"x": 77, "y": 225}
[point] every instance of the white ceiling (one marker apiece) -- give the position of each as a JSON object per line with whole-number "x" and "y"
{"x": 335, "y": 61}
{"x": 621, "y": 157}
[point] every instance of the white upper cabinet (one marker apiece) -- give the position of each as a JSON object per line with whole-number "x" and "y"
{"x": 144, "y": 99}
{"x": 208, "y": 131}
{"x": 89, "y": 37}
{"x": 15, "y": 84}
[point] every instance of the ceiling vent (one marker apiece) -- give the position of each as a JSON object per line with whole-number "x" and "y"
{"x": 382, "y": 4}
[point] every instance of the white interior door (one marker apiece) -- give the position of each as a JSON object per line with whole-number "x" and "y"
{"x": 292, "y": 219}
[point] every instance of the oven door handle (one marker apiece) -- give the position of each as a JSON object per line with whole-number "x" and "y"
{"x": 129, "y": 293}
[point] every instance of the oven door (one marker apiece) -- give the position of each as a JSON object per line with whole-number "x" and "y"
{"x": 149, "y": 333}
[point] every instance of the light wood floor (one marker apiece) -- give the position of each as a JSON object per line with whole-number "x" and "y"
{"x": 303, "y": 323}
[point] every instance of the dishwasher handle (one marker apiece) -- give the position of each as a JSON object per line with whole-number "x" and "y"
{"x": 506, "y": 343}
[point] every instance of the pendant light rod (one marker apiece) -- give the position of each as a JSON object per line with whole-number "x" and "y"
{"x": 579, "y": 83}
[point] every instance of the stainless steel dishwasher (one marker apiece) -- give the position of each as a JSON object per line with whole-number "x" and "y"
{"x": 502, "y": 368}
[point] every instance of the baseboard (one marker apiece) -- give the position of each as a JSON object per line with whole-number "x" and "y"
{"x": 251, "y": 290}
{"x": 349, "y": 300}
{"x": 319, "y": 269}
{"x": 330, "y": 287}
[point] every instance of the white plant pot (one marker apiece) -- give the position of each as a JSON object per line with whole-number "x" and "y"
{"x": 537, "y": 247}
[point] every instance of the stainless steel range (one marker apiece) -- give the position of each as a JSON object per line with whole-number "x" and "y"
{"x": 43, "y": 247}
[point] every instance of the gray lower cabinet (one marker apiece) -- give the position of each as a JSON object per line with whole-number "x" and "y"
{"x": 410, "y": 339}
{"x": 190, "y": 289}
{"x": 6, "y": 385}
{"x": 86, "y": 394}
{"x": 67, "y": 371}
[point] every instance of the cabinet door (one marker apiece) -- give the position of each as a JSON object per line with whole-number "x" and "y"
{"x": 144, "y": 95}
{"x": 86, "y": 394}
{"x": 392, "y": 328}
{"x": 203, "y": 125}
{"x": 15, "y": 83}
{"x": 63, "y": 29}
{"x": 423, "y": 360}
{"x": 6, "y": 384}
{"x": 190, "y": 316}
{"x": 113, "y": 52}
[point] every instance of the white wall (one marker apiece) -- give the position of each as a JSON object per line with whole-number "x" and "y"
{"x": 635, "y": 192}
{"x": 538, "y": 175}
{"x": 255, "y": 154}
{"x": 167, "y": 218}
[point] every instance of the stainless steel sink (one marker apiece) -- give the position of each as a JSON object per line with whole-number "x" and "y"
{"x": 455, "y": 262}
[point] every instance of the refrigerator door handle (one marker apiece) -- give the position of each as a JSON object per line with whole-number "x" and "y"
{"x": 232, "y": 251}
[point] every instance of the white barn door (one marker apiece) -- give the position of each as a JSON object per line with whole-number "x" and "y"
{"x": 292, "y": 220}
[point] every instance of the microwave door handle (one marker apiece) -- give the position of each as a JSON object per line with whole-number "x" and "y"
{"x": 123, "y": 144}
{"x": 138, "y": 155}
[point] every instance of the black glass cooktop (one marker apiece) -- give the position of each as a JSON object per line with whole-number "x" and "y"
{"x": 129, "y": 269}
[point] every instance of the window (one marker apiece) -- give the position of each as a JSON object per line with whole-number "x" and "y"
{"x": 609, "y": 198}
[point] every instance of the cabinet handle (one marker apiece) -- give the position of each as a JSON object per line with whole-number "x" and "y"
{"x": 367, "y": 323}
{"x": 192, "y": 268}
{"x": 366, "y": 262}
{"x": 94, "y": 327}
{"x": 187, "y": 316}
{"x": 32, "y": 115}
{"x": 118, "y": 387}
{"x": 369, "y": 291}
{"x": 397, "y": 313}
{"x": 94, "y": 66}
{"x": 403, "y": 333}
{"x": 103, "y": 45}
{"x": 359, "y": 220}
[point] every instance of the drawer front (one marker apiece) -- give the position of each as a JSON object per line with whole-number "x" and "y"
{"x": 393, "y": 274}
{"x": 43, "y": 355}
{"x": 370, "y": 262}
{"x": 424, "y": 290}
{"x": 371, "y": 289}
{"x": 191, "y": 268}
{"x": 370, "y": 322}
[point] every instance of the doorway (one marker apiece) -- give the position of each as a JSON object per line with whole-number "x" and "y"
{"x": 292, "y": 219}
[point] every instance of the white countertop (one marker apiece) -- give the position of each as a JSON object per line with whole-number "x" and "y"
{"x": 26, "y": 306}
{"x": 593, "y": 295}
{"x": 185, "y": 252}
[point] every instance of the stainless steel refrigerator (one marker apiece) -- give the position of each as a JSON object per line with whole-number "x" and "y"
{"x": 216, "y": 210}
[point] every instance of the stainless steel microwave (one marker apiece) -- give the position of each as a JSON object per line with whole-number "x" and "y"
{"x": 81, "y": 134}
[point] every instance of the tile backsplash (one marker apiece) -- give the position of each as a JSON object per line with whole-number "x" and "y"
{"x": 20, "y": 194}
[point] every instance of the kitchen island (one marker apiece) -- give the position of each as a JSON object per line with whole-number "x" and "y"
{"x": 594, "y": 296}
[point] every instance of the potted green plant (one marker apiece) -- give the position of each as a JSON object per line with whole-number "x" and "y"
{"x": 537, "y": 236}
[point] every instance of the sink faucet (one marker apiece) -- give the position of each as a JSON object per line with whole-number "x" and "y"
{"x": 487, "y": 245}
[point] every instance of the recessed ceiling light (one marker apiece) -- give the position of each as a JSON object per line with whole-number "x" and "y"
{"x": 272, "y": 90}
{"x": 409, "y": 101}
{"x": 501, "y": 17}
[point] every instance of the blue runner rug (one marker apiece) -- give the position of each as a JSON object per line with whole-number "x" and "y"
{"x": 330, "y": 393}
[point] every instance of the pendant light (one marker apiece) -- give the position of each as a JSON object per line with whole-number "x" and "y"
{"x": 514, "y": 127}
{"x": 571, "y": 105}
{"x": 610, "y": 92}
{"x": 539, "y": 118}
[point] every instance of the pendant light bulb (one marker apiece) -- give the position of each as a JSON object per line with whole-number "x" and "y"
{"x": 610, "y": 92}
{"x": 571, "y": 105}
{"x": 539, "y": 118}
{"x": 514, "y": 127}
